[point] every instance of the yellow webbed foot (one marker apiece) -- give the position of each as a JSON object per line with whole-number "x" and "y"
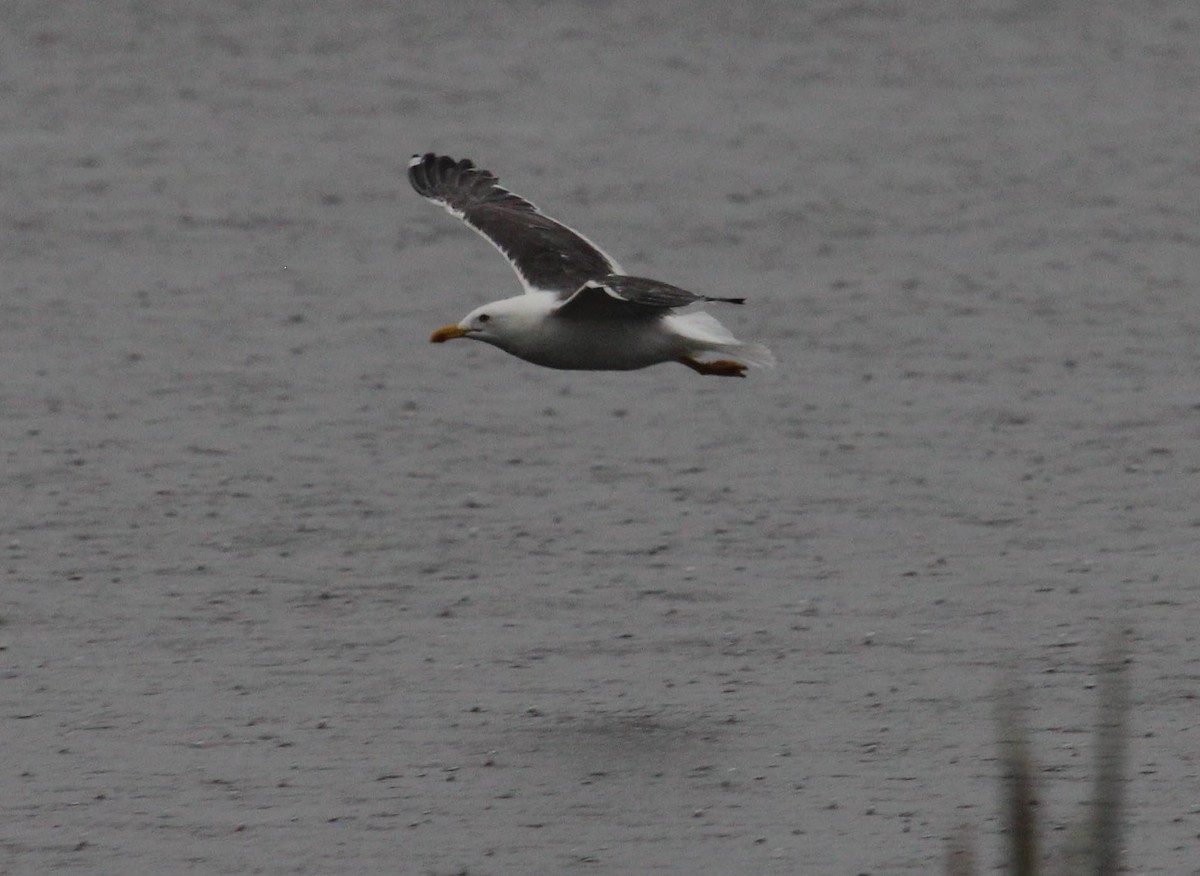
{"x": 719, "y": 368}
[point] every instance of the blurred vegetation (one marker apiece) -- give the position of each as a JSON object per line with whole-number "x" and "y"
{"x": 1092, "y": 848}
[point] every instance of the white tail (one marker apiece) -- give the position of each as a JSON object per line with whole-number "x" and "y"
{"x": 713, "y": 337}
{"x": 757, "y": 355}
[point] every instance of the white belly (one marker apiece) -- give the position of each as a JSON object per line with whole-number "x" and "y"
{"x": 598, "y": 345}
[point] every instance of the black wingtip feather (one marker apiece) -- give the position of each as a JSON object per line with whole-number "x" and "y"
{"x": 442, "y": 178}
{"x": 431, "y": 171}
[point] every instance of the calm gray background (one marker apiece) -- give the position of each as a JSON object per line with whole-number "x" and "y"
{"x": 288, "y": 590}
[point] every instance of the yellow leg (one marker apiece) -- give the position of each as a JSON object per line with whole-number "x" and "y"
{"x": 720, "y": 368}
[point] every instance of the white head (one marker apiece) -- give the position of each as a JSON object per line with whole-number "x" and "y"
{"x": 501, "y": 323}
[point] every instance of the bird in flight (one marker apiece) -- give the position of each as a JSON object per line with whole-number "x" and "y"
{"x": 580, "y": 310}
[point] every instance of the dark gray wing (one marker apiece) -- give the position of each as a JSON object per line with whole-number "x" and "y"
{"x": 619, "y": 295}
{"x": 547, "y": 255}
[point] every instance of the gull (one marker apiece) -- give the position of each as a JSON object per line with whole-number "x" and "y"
{"x": 579, "y": 310}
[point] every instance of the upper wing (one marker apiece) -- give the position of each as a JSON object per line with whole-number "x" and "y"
{"x": 619, "y": 295}
{"x": 547, "y": 255}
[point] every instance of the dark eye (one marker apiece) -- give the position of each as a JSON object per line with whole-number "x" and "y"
{"x": 483, "y": 317}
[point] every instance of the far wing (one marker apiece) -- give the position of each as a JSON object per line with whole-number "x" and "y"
{"x": 547, "y": 255}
